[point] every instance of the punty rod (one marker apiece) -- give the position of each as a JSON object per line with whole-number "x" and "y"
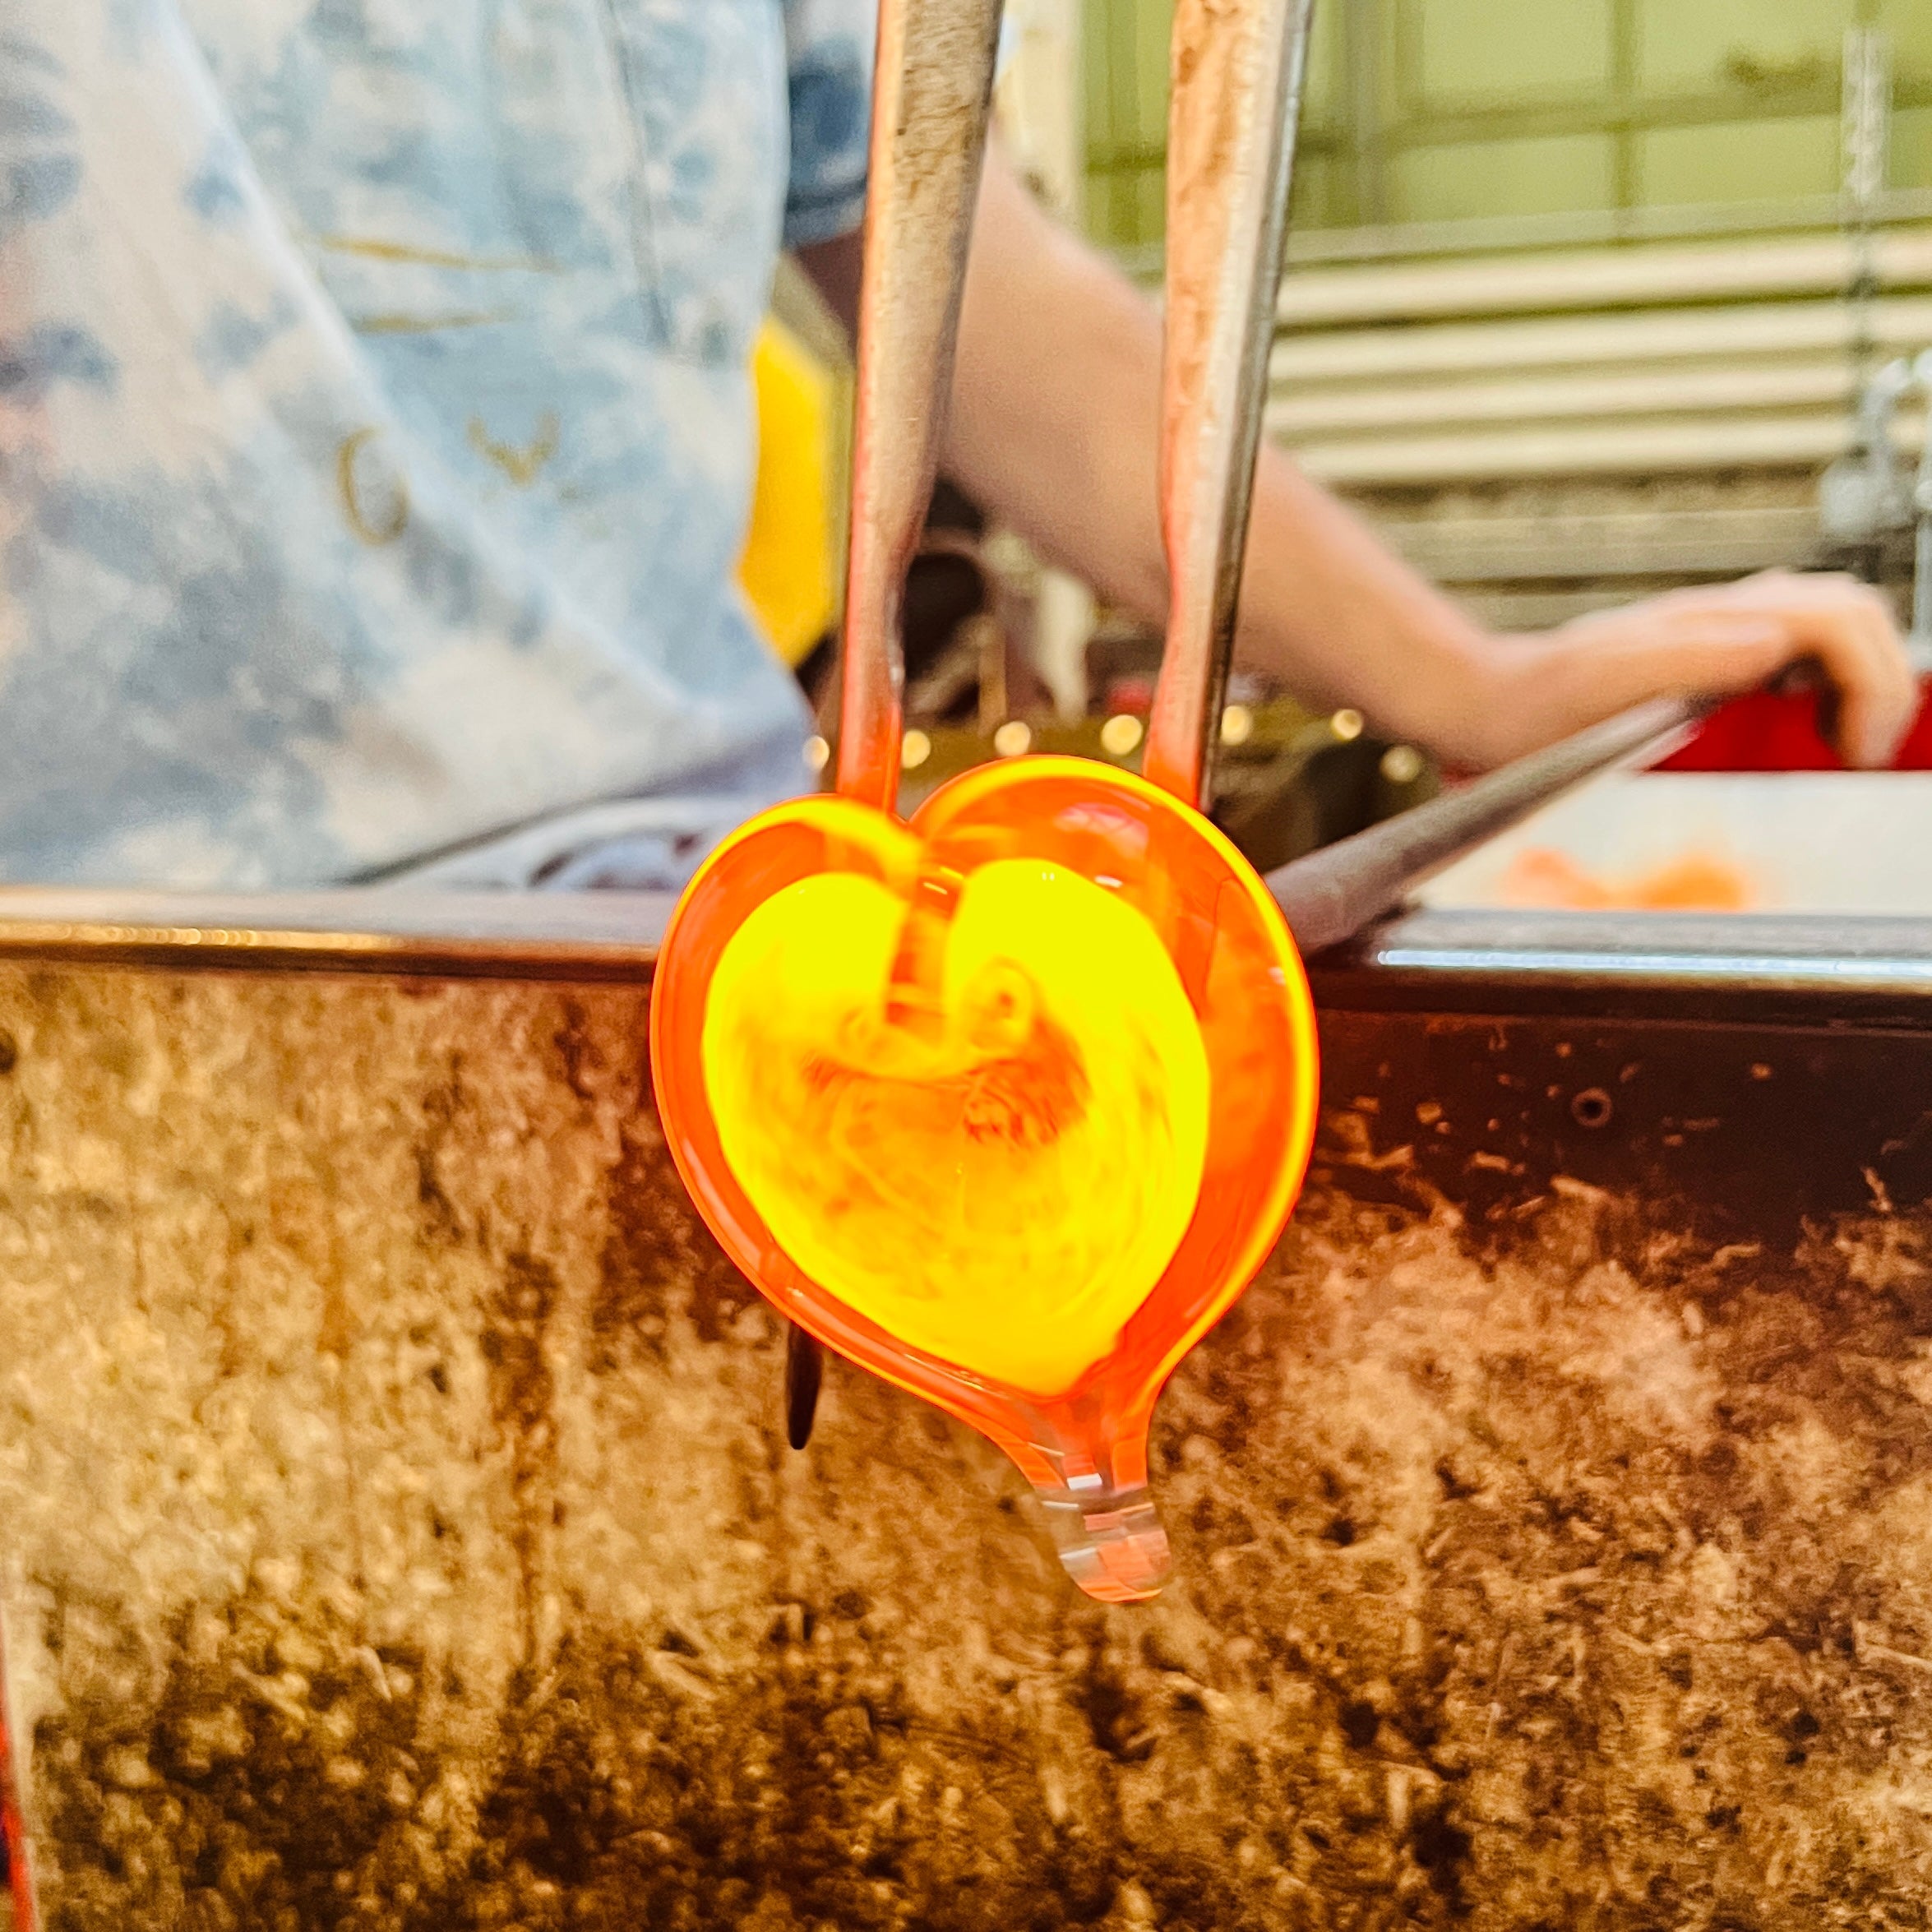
{"x": 1339, "y": 892}
{"x": 1333, "y": 893}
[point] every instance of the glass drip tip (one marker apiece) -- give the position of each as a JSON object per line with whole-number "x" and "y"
{"x": 1107, "y": 1532}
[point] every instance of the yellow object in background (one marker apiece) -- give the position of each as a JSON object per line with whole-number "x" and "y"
{"x": 790, "y": 569}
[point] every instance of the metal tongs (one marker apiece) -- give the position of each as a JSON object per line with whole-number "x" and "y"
{"x": 1238, "y": 71}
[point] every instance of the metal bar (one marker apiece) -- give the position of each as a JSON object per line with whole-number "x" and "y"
{"x": 1456, "y": 124}
{"x": 1623, "y": 957}
{"x": 1682, "y": 969}
{"x": 603, "y": 935}
{"x": 1921, "y": 510}
{"x": 1866, "y": 133}
{"x": 932, "y": 98}
{"x": 1713, "y": 968}
{"x": 1237, "y": 83}
{"x": 1594, "y": 279}
{"x": 1332, "y": 895}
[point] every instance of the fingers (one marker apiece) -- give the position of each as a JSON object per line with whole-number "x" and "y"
{"x": 1731, "y": 637}
{"x": 1848, "y": 628}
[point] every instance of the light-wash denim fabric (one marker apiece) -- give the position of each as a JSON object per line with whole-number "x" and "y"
{"x": 375, "y": 426}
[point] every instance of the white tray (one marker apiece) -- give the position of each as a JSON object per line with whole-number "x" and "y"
{"x": 1821, "y": 842}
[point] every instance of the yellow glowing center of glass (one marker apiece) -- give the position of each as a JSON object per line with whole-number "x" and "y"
{"x": 980, "y": 1122}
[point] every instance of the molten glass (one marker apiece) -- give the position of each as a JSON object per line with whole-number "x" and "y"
{"x": 881, "y": 1076}
{"x": 1007, "y": 1104}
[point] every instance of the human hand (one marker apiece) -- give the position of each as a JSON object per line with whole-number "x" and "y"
{"x": 1717, "y": 641}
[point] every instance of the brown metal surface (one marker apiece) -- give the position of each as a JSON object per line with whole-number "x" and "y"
{"x": 399, "y": 1531}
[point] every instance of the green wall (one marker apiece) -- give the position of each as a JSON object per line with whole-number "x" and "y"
{"x": 1447, "y": 110}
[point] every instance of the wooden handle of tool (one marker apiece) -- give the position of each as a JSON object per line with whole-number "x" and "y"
{"x": 932, "y": 96}
{"x": 1237, "y": 73}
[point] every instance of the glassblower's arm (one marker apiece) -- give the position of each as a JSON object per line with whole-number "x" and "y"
{"x": 1055, "y": 428}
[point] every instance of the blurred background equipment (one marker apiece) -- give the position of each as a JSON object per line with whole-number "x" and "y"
{"x": 792, "y": 570}
{"x": 1582, "y": 293}
{"x": 1586, "y": 299}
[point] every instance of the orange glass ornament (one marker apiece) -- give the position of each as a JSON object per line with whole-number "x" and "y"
{"x": 1009, "y": 1103}
{"x": 875, "y": 1129}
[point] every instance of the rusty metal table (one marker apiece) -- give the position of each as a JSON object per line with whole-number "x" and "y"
{"x": 397, "y": 1532}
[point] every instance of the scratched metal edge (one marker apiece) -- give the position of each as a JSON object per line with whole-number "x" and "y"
{"x": 329, "y": 953}
{"x": 586, "y": 937}
{"x": 1871, "y": 972}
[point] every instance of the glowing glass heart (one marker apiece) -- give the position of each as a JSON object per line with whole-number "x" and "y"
{"x": 1007, "y": 1104}
{"x": 873, "y": 1116}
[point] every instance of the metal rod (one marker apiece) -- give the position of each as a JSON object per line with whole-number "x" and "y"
{"x": 1332, "y": 893}
{"x": 931, "y": 100}
{"x": 932, "y": 95}
{"x": 1237, "y": 80}
{"x": 805, "y": 1374}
